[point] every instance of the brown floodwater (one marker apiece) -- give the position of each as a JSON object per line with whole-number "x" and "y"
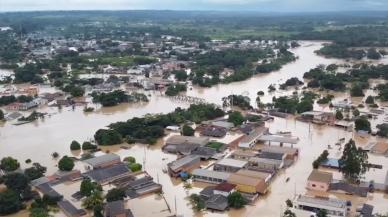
{"x": 36, "y": 141}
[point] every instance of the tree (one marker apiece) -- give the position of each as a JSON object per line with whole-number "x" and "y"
{"x": 180, "y": 75}
{"x": 362, "y": 123}
{"x": 1, "y": 115}
{"x": 356, "y": 113}
{"x": 130, "y": 159}
{"x": 197, "y": 202}
{"x": 35, "y": 172}
{"x": 9, "y": 164}
{"x": 339, "y": 115}
{"x": 322, "y": 158}
{"x": 356, "y": 90}
{"x": 236, "y": 200}
{"x": 115, "y": 194}
{"x": 289, "y": 203}
{"x": 95, "y": 199}
{"x": 107, "y": 137}
{"x": 288, "y": 213}
{"x": 382, "y": 130}
{"x": 88, "y": 187}
{"x": 9, "y": 202}
{"x": 236, "y": 118}
{"x": 77, "y": 91}
{"x": 370, "y": 100}
{"x": 354, "y": 162}
{"x": 66, "y": 163}
{"x": 97, "y": 211}
{"x": 135, "y": 167}
{"x": 75, "y": 145}
{"x": 39, "y": 212}
{"x": 322, "y": 213}
{"x": 17, "y": 182}
{"x": 88, "y": 146}
{"x": 187, "y": 130}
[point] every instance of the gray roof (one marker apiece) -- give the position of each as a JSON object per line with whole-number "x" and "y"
{"x": 217, "y": 202}
{"x": 207, "y": 192}
{"x": 102, "y": 159}
{"x": 116, "y": 208}
{"x": 337, "y": 203}
{"x": 70, "y": 209}
{"x": 184, "y": 161}
{"x": 178, "y": 140}
{"x": 367, "y": 210}
{"x": 211, "y": 174}
{"x": 106, "y": 173}
{"x": 271, "y": 155}
{"x": 46, "y": 189}
{"x": 39, "y": 181}
{"x": 232, "y": 162}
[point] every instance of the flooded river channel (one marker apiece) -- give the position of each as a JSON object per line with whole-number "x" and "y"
{"x": 36, "y": 141}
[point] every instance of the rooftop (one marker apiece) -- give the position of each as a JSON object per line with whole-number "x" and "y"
{"x": 116, "y": 208}
{"x": 331, "y": 202}
{"x": 271, "y": 155}
{"x": 211, "y": 173}
{"x": 69, "y": 208}
{"x": 320, "y": 176}
{"x": 183, "y": 161}
{"x": 187, "y": 139}
{"x": 102, "y": 159}
{"x": 106, "y": 173}
{"x": 226, "y": 187}
{"x": 232, "y": 162}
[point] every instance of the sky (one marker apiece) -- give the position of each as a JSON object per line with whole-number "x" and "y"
{"x": 228, "y": 5}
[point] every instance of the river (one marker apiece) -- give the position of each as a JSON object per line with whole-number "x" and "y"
{"x": 36, "y": 141}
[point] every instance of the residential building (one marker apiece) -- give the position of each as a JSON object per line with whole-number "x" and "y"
{"x": 108, "y": 174}
{"x": 217, "y": 202}
{"x": 291, "y": 153}
{"x": 224, "y": 189}
{"x": 209, "y": 176}
{"x": 265, "y": 163}
{"x": 255, "y": 174}
{"x": 333, "y": 207}
{"x": 117, "y": 209}
{"x": 142, "y": 186}
{"x": 252, "y": 138}
{"x": 102, "y": 161}
{"x": 243, "y": 154}
{"x": 229, "y": 165}
{"x": 319, "y": 180}
{"x": 70, "y": 210}
{"x": 184, "y": 144}
{"x": 184, "y": 164}
{"x": 247, "y": 184}
{"x": 318, "y": 117}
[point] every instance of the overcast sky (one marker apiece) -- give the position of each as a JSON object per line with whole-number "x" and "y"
{"x": 259, "y": 5}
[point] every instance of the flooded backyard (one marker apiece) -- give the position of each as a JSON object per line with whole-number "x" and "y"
{"x": 36, "y": 141}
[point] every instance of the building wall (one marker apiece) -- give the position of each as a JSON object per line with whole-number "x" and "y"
{"x": 224, "y": 168}
{"x": 245, "y": 188}
{"x": 317, "y": 186}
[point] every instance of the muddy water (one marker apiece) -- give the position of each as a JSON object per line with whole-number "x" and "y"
{"x": 39, "y": 139}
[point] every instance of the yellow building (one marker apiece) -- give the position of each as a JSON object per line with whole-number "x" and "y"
{"x": 247, "y": 184}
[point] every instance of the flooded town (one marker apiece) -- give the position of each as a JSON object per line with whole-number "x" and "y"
{"x": 121, "y": 114}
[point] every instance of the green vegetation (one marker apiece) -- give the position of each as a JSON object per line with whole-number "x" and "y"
{"x": 116, "y": 97}
{"x": 115, "y": 194}
{"x": 370, "y": 100}
{"x": 175, "y": 89}
{"x": 107, "y": 137}
{"x": 354, "y": 162}
{"x": 293, "y": 104}
{"x": 9, "y": 202}
{"x": 187, "y": 130}
{"x": 180, "y": 75}
{"x": 135, "y": 167}
{"x": 66, "y": 164}
{"x": 215, "y": 145}
{"x": 151, "y": 127}
{"x": 236, "y": 200}
{"x": 236, "y": 118}
{"x": 9, "y": 164}
{"x": 322, "y": 158}
{"x": 88, "y": 146}
{"x": 325, "y": 80}
{"x": 339, "y": 115}
{"x": 75, "y": 145}
{"x": 362, "y": 123}
{"x": 383, "y": 92}
{"x": 243, "y": 102}
{"x": 32, "y": 117}
{"x": 88, "y": 187}
{"x": 326, "y": 99}
{"x": 197, "y": 202}
{"x": 290, "y": 82}
{"x": 382, "y": 130}
{"x": 1, "y": 115}
{"x": 35, "y": 172}
{"x": 95, "y": 199}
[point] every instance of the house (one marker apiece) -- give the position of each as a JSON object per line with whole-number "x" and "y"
{"x": 102, "y": 161}
{"x": 265, "y": 164}
{"x": 117, "y": 209}
{"x": 253, "y": 137}
{"x": 319, "y": 180}
{"x": 318, "y": 117}
{"x": 213, "y": 131}
{"x": 142, "y": 186}
{"x": 247, "y": 184}
{"x": 207, "y": 192}
{"x": 209, "y": 176}
{"x": 255, "y": 174}
{"x": 70, "y": 210}
{"x": 348, "y": 188}
{"x": 222, "y": 124}
{"x": 108, "y": 174}
{"x": 184, "y": 164}
{"x": 291, "y": 153}
{"x": 229, "y": 165}
{"x": 224, "y": 189}
{"x": 204, "y": 152}
{"x": 12, "y": 116}
{"x": 46, "y": 189}
{"x": 243, "y": 154}
{"x": 380, "y": 148}
{"x": 330, "y": 163}
{"x": 333, "y": 207}
{"x": 272, "y": 155}
{"x": 184, "y": 144}
{"x": 217, "y": 202}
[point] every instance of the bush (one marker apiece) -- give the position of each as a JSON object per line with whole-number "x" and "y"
{"x": 88, "y": 146}
{"x": 115, "y": 194}
{"x": 370, "y": 100}
{"x": 362, "y": 123}
{"x": 187, "y": 130}
{"x": 75, "y": 146}
{"x": 9, "y": 202}
{"x": 107, "y": 137}
{"x": 236, "y": 200}
{"x": 236, "y": 118}
{"x": 9, "y": 164}
{"x": 66, "y": 164}
{"x": 134, "y": 167}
